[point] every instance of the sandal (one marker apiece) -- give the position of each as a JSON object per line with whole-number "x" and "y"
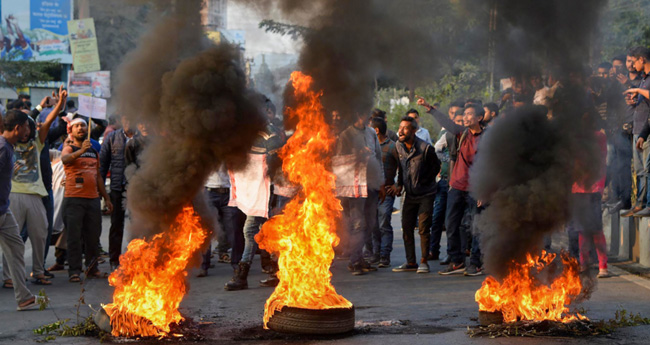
{"x": 41, "y": 281}
{"x": 74, "y": 278}
{"x": 97, "y": 275}
{"x": 8, "y": 284}
{"x": 36, "y": 302}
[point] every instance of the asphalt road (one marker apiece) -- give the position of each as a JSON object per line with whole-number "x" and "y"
{"x": 391, "y": 308}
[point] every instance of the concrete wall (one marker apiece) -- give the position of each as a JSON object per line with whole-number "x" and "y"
{"x": 628, "y": 238}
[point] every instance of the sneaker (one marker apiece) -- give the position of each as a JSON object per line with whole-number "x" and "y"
{"x": 406, "y": 267}
{"x": 373, "y": 260}
{"x": 473, "y": 270}
{"x": 367, "y": 267}
{"x": 604, "y": 273}
{"x": 423, "y": 268}
{"x": 202, "y": 273}
{"x": 384, "y": 262}
{"x": 453, "y": 269}
{"x": 224, "y": 258}
{"x": 357, "y": 270}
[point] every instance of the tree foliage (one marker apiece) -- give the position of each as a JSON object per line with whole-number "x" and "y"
{"x": 292, "y": 30}
{"x": 18, "y": 74}
{"x": 623, "y": 26}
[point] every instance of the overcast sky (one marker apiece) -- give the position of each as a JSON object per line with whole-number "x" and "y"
{"x": 257, "y": 40}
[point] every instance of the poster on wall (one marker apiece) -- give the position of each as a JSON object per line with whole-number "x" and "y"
{"x": 96, "y": 84}
{"x": 83, "y": 40}
{"x": 35, "y": 30}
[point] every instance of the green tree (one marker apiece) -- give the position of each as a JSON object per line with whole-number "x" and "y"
{"x": 18, "y": 74}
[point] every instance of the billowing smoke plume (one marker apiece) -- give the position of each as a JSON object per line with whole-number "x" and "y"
{"x": 526, "y": 164}
{"x": 350, "y": 43}
{"x": 194, "y": 100}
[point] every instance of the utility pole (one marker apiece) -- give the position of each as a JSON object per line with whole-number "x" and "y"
{"x": 492, "y": 47}
{"x": 84, "y": 9}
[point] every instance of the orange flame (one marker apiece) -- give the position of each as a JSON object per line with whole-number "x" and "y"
{"x": 522, "y": 297}
{"x": 150, "y": 283}
{"x": 303, "y": 236}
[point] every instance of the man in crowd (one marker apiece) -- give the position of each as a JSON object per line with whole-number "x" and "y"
{"x": 422, "y": 132}
{"x": 639, "y": 101}
{"x": 111, "y": 159}
{"x": 444, "y": 147}
{"x": 82, "y": 207}
{"x": 458, "y": 199}
{"x": 265, "y": 152}
{"x": 491, "y": 113}
{"x": 361, "y": 141}
{"x": 217, "y": 193}
{"x": 28, "y": 190}
{"x": 16, "y": 128}
{"x": 419, "y": 167}
{"x": 382, "y": 115}
{"x": 619, "y": 136}
{"x": 384, "y": 243}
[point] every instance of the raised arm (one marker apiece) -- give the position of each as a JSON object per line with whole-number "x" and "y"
{"x": 45, "y": 126}
{"x": 442, "y": 119}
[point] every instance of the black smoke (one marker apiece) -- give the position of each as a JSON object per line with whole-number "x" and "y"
{"x": 193, "y": 97}
{"x": 526, "y": 164}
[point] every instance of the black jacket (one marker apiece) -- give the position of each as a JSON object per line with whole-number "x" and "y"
{"x": 111, "y": 157}
{"x": 418, "y": 169}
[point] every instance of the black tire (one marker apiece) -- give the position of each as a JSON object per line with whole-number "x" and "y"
{"x": 310, "y": 321}
{"x": 486, "y": 318}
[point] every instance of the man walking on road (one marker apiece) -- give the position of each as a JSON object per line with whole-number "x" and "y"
{"x": 16, "y": 127}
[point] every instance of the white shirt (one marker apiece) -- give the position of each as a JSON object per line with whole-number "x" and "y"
{"x": 423, "y": 134}
{"x": 219, "y": 178}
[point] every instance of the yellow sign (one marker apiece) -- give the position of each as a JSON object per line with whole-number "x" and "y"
{"x": 83, "y": 41}
{"x": 215, "y": 36}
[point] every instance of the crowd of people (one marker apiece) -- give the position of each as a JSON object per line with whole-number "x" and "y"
{"x": 52, "y": 173}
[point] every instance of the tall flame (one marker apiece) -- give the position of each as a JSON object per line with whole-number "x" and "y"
{"x": 521, "y": 296}
{"x": 303, "y": 236}
{"x": 150, "y": 283}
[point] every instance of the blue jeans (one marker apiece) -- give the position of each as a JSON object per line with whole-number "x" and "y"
{"x": 383, "y": 244}
{"x": 438, "y": 220}
{"x": 457, "y": 203}
{"x": 251, "y": 228}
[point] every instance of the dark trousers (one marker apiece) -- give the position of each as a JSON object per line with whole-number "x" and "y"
{"x": 438, "y": 221}
{"x": 48, "y": 201}
{"x": 618, "y": 170}
{"x": 231, "y": 220}
{"x": 457, "y": 203}
{"x": 362, "y": 214}
{"x": 372, "y": 222}
{"x": 417, "y": 211}
{"x": 116, "y": 233}
{"x": 83, "y": 220}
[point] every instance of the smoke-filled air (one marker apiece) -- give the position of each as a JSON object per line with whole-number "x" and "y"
{"x": 194, "y": 100}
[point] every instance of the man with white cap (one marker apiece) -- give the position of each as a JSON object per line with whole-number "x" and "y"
{"x": 82, "y": 207}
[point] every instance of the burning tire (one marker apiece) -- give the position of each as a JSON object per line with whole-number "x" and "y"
{"x": 311, "y": 321}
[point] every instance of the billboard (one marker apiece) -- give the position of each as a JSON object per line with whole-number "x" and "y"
{"x": 35, "y": 30}
{"x": 96, "y": 84}
{"x": 83, "y": 39}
